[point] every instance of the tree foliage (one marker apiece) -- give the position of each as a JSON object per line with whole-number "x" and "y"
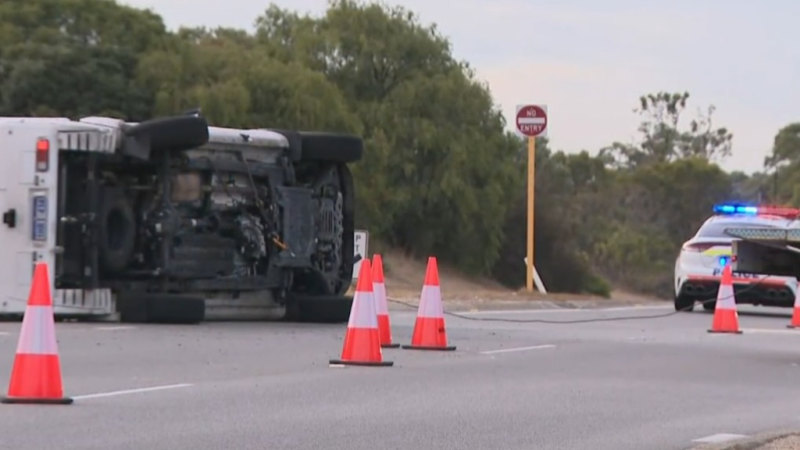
{"x": 440, "y": 175}
{"x": 74, "y": 57}
{"x": 662, "y": 139}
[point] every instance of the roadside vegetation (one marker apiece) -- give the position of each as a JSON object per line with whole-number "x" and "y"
{"x": 441, "y": 174}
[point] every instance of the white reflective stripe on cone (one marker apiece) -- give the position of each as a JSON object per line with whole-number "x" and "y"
{"x": 363, "y": 313}
{"x": 38, "y": 334}
{"x": 430, "y": 303}
{"x": 725, "y": 298}
{"x": 379, "y": 292}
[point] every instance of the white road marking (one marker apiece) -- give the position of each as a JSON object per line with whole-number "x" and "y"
{"x": 771, "y": 331}
{"x": 116, "y": 328}
{"x": 4, "y": 333}
{"x": 720, "y": 437}
{"x": 130, "y": 391}
{"x": 565, "y": 310}
{"x": 517, "y": 349}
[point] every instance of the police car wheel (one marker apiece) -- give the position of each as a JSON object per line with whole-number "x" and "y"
{"x": 683, "y": 303}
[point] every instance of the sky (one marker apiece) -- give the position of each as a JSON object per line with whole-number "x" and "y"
{"x": 589, "y": 61}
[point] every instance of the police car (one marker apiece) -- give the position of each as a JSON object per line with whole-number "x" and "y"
{"x": 699, "y": 264}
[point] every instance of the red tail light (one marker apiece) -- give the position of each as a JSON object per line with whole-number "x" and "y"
{"x": 42, "y": 155}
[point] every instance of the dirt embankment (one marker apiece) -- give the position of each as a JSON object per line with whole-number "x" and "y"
{"x": 405, "y": 277}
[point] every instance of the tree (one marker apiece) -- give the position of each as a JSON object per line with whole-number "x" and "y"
{"x": 231, "y": 77}
{"x": 74, "y": 57}
{"x": 74, "y": 82}
{"x": 786, "y": 147}
{"x": 437, "y": 170}
{"x": 663, "y": 141}
{"x": 783, "y": 164}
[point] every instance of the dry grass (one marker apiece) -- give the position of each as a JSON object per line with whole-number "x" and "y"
{"x": 405, "y": 276}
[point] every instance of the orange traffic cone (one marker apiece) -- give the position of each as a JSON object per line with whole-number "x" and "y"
{"x": 36, "y": 375}
{"x": 795, "y": 323}
{"x": 726, "y": 317}
{"x": 362, "y": 343}
{"x": 429, "y": 329}
{"x": 381, "y": 305}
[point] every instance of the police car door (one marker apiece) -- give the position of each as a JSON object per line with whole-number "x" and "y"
{"x": 27, "y": 206}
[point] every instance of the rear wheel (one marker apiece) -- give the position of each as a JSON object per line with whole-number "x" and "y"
{"x": 684, "y": 303}
{"x": 710, "y": 304}
{"x": 331, "y": 270}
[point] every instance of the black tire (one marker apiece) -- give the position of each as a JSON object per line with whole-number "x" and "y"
{"x": 349, "y": 224}
{"x": 164, "y": 134}
{"x": 295, "y": 143}
{"x": 117, "y": 230}
{"x": 132, "y": 307}
{"x": 319, "y": 308}
{"x": 683, "y": 303}
{"x": 340, "y": 148}
{"x": 336, "y": 280}
{"x": 710, "y": 305}
{"x": 160, "y": 308}
{"x": 322, "y": 146}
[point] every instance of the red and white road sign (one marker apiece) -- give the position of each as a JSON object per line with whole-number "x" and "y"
{"x": 532, "y": 120}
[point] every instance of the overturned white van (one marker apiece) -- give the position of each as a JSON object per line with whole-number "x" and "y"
{"x": 175, "y": 220}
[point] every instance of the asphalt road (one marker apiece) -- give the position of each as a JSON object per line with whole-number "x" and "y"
{"x": 647, "y": 383}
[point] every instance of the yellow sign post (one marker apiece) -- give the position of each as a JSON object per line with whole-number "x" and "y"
{"x": 531, "y": 122}
{"x": 531, "y": 193}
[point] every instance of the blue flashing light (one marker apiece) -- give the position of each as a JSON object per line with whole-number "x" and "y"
{"x": 723, "y": 260}
{"x": 736, "y": 209}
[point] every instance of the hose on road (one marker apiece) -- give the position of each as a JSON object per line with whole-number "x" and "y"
{"x": 596, "y": 319}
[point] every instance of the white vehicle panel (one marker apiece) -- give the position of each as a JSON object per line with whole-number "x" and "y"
{"x": 21, "y": 184}
{"x": 29, "y": 197}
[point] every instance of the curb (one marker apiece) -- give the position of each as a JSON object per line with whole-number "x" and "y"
{"x": 750, "y": 443}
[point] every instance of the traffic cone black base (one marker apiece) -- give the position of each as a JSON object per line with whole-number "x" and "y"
{"x": 41, "y": 401}
{"x": 724, "y": 332}
{"x": 339, "y": 362}
{"x": 422, "y": 347}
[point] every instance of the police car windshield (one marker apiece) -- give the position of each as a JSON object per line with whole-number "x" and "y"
{"x": 717, "y": 229}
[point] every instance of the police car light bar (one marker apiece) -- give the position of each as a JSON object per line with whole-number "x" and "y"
{"x": 733, "y": 208}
